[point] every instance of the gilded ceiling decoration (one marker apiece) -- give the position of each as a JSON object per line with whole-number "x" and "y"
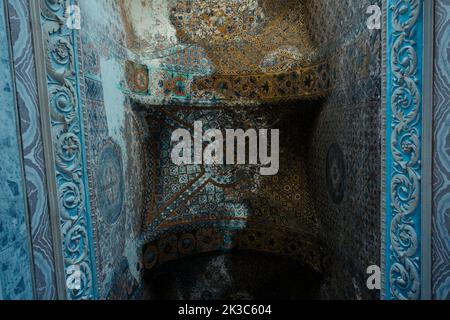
{"x": 216, "y": 50}
{"x": 246, "y": 36}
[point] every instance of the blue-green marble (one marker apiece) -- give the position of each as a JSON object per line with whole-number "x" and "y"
{"x": 15, "y": 262}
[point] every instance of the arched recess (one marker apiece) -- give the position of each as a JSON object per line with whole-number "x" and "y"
{"x": 194, "y": 209}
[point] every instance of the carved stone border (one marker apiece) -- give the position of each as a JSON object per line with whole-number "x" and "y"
{"x": 57, "y": 62}
{"x": 406, "y": 171}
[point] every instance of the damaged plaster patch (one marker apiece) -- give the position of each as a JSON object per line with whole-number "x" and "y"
{"x": 148, "y": 26}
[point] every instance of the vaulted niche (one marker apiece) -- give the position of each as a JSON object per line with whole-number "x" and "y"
{"x": 212, "y": 209}
{"x": 308, "y": 68}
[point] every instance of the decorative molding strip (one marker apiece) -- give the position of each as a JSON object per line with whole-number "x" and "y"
{"x": 32, "y": 144}
{"x": 383, "y": 139}
{"x": 63, "y": 91}
{"x": 427, "y": 149}
{"x": 405, "y": 140}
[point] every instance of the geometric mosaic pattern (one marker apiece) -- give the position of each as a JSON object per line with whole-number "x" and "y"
{"x": 349, "y": 122}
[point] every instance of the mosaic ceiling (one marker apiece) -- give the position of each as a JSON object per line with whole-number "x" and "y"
{"x": 245, "y": 36}
{"x": 216, "y": 51}
{"x": 234, "y": 37}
